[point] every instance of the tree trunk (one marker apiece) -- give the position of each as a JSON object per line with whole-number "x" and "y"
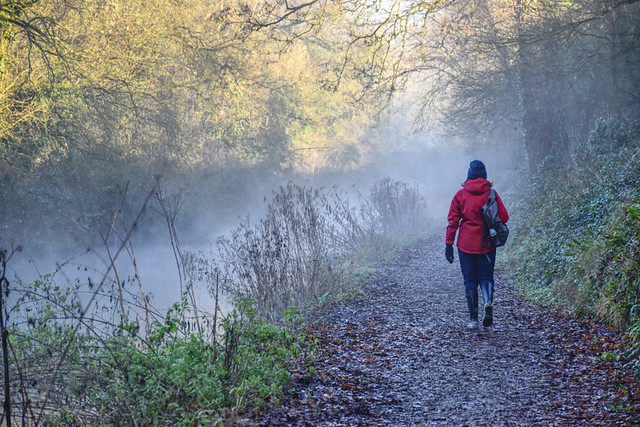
{"x": 521, "y": 85}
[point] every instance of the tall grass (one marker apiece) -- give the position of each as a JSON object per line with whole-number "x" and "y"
{"x": 99, "y": 353}
{"x": 310, "y": 241}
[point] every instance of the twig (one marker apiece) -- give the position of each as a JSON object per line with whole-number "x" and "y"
{"x": 56, "y": 371}
{"x": 4, "y": 287}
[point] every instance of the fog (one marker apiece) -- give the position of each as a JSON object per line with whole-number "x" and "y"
{"x": 436, "y": 165}
{"x": 552, "y": 84}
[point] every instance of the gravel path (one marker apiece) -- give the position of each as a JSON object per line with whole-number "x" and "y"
{"x": 402, "y": 356}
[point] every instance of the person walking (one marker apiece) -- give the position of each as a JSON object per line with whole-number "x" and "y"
{"x": 476, "y": 252}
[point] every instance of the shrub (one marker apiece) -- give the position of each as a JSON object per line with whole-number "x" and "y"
{"x": 304, "y": 248}
{"x": 399, "y": 207}
{"x": 579, "y": 229}
{"x": 73, "y": 368}
{"x": 100, "y": 354}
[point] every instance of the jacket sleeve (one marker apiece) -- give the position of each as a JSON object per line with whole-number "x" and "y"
{"x": 502, "y": 211}
{"x": 455, "y": 215}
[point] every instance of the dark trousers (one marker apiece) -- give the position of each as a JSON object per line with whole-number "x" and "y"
{"x": 477, "y": 270}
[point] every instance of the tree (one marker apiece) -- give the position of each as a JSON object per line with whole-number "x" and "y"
{"x": 543, "y": 67}
{"x": 140, "y": 88}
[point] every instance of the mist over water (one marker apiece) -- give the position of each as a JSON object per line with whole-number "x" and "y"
{"x": 436, "y": 166}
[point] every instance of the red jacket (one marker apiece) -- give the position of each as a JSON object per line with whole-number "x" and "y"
{"x": 465, "y": 216}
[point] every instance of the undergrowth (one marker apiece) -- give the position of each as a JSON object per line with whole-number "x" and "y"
{"x": 99, "y": 353}
{"x": 67, "y": 371}
{"x": 312, "y": 244}
{"x": 578, "y": 231}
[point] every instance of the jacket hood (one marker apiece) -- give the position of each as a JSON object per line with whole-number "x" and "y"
{"x": 477, "y": 186}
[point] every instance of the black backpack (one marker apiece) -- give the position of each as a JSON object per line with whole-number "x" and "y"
{"x": 494, "y": 229}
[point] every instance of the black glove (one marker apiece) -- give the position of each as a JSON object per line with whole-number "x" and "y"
{"x": 448, "y": 253}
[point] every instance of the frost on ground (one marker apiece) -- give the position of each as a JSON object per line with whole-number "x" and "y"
{"x": 402, "y": 356}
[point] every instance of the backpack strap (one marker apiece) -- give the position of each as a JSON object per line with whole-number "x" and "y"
{"x": 485, "y": 234}
{"x": 492, "y": 194}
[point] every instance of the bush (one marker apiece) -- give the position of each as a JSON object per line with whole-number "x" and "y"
{"x": 399, "y": 208}
{"x": 70, "y": 367}
{"x": 580, "y": 227}
{"x": 305, "y": 248}
{"x": 567, "y": 210}
{"x": 100, "y": 354}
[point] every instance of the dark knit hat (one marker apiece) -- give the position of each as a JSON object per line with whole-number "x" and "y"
{"x": 477, "y": 170}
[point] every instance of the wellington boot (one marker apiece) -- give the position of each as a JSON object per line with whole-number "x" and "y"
{"x": 472, "y": 304}
{"x": 488, "y": 315}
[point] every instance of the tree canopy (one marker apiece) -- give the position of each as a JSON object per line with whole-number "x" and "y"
{"x": 96, "y": 93}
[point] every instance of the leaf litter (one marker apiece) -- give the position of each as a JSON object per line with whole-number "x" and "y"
{"x": 402, "y": 356}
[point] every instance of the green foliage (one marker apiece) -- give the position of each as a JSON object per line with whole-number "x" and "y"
{"x": 91, "y": 354}
{"x": 112, "y": 375}
{"x": 579, "y": 229}
{"x": 183, "y": 380}
{"x": 97, "y": 95}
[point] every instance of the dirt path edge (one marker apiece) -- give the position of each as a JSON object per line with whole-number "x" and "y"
{"x": 402, "y": 355}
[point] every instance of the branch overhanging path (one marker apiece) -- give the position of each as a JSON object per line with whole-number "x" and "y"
{"x": 402, "y": 356}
